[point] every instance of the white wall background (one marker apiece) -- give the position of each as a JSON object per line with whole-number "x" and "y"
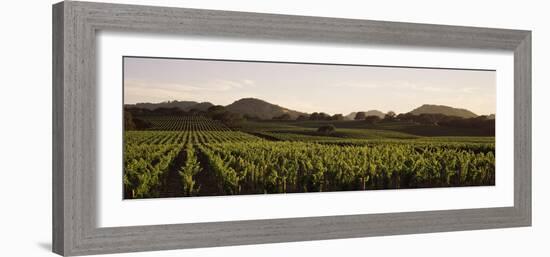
{"x": 25, "y": 127}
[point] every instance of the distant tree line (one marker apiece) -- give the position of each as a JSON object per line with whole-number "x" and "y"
{"x": 161, "y": 111}
{"x": 133, "y": 123}
{"x": 133, "y": 120}
{"x": 483, "y": 123}
{"x": 302, "y": 117}
{"x": 324, "y": 116}
{"x": 230, "y": 119}
{"x": 480, "y": 122}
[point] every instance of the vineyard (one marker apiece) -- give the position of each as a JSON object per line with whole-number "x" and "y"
{"x": 186, "y": 123}
{"x": 196, "y": 156}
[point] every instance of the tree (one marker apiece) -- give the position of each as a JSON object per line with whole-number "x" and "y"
{"x": 194, "y": 111}
{"x": 372, "y": 119}
{"x": 284, "y": 116}
{"x": 169, "y": 111}
{"x": 314, "y": 116}
{"x": 142, "y": 124}
{"x": 337, "y": 117}
{"x": 217, "y": 112}
{"x": 327, "y": 129}
{"x": 129, "y": 121}
{"x": 406, "y": 117}
{"x": 360, "y": 116}
{"x": 319, "y": 116}
{"x": 324, "y": 116}
{"x": 231, "y": 119}
{"x": 215, "y": 109}
{"x": 389, "y": 116}
{"x": 302, "y": 117}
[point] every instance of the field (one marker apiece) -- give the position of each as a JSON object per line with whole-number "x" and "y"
{"x": 192, "y": 155}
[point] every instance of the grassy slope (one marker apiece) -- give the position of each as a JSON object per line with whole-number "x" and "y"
{"x": 357, "y": 130}
{"x": 401, "y": 129}
{"x": 306, "y": 131}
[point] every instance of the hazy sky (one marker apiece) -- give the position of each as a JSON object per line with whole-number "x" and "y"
{"x": 307, "y": 87}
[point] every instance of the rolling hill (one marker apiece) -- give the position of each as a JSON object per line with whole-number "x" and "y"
{"x": 442, "y": 109}
{"x": 261, "y": 109}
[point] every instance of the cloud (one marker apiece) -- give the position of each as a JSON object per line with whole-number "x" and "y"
{"x": 225, "y": 85}
{"x": 407, "y": 86}
{"x": 422, "y": 88}
{"x": 214, "y": 85}
{"x": 249, "y": 82}
{"x": 152, "y": 91}
{"x": 470, "y": 90}
{"x": 389, "y": 84}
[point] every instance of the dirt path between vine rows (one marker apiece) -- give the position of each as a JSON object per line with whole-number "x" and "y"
{"x": 206, "y": 178}
{"x": 173, "y": 186}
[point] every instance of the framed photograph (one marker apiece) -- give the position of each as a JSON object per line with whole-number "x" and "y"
{"x": 181, "y": 128}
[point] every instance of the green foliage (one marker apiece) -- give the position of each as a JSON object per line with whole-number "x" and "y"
{"x": 282, "y": 167}
{"x": 185, "y": 123}
{"x": 327, "y": 129}
{"x": 390, "y": 116}
{"x": 350, "y": 159}
{"x": 337, "y": 116}
{"x": 189, "y": 170}
{"x": 149, "y": 154}
{"x": 284, "y": 116}
{"x": 144, "y": 168}
{"x": 360, "y": 116}
{"x": 128, "y": 121}
{"x": 372, "y": 119}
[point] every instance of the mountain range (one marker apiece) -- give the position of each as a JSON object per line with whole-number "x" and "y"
{"x": 258, "y": 108}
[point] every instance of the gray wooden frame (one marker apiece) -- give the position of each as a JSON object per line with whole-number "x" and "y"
{"x": 74, "y": 129}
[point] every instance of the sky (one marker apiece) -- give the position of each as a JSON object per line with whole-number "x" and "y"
{"x": 308, "y": 87}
